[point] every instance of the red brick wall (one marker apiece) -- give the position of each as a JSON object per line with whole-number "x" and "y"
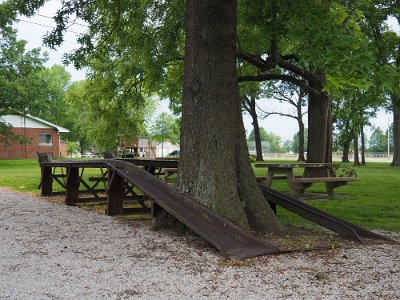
{"x": 17, "y": 151}
{"x": 63, "y": 149}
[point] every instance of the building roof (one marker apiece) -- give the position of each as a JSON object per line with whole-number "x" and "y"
{"x": 13, "y": 121}
{"x": 59, "y": 128}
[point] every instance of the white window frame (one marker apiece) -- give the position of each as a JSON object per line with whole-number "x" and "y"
{"x": 46, "y": 134}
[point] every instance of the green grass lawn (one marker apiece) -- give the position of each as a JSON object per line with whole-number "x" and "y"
{"x": 20, "y": 175}
{"x": 373, "y": 201}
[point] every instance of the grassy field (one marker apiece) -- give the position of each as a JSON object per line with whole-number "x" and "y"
{"x": 373, "y": 201}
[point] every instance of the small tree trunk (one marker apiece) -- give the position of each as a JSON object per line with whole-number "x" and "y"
{"x": 346, "y": 138}
{"x": 356, "y": 149}
{"x": 214, "y": 166}
{"x": 301, "y": 141}
{"x": 256, "y": 127}
{"x": 346, "y": 150}
{"x": 363, "y": 162}
{"x": 396, "y": 130}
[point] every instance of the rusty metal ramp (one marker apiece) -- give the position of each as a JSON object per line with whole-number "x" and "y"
{"x": 343, "y": 228}
{"x": 234, "y": 242}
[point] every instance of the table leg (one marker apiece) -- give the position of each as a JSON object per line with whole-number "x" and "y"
{"x": 115, "y": 195}
{"x": 269, "y": 178}
{"x": 47, "y": 181}
{"x": 290, "y": 176}
{"x": 72, "y": 186}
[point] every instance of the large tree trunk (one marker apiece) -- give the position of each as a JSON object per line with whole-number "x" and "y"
{"x": 214, "y": 166}
{"x": 396, "y": 130}
{"x": 319, "y": 146}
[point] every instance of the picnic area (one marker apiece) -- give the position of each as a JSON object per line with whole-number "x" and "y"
{"x": 199, "y": 149}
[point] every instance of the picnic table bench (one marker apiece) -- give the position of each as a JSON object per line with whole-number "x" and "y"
{"x": 313, "y": 173}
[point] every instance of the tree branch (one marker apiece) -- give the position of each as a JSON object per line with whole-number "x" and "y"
{"x": 258, "y": 62}
{"x": 289, "y": 57}
{"x": 284, "y": 64}
{"x": 264, "y": 77}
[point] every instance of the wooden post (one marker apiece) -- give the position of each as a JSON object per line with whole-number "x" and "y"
{"x": 47, "y": 181}
{"x": 115, "y": 195}
{"x": 72, "y": 186}
{"x": 155, "y": 209}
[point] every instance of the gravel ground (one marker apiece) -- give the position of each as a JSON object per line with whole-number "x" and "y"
{"x": 50, "y": 251}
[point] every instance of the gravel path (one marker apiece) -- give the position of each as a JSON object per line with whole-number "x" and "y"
{"x": 51, "y": 251}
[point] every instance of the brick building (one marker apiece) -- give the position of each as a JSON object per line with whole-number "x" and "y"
{"x": 44, "y": 136}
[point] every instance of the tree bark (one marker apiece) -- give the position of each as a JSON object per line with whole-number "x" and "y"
{"x": 319, "y": 146}
{"x": 396, "y": 130}
{"x": 214, "y": 166}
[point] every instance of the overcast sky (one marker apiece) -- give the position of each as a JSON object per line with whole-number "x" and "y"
{"x": 33, "y": 30}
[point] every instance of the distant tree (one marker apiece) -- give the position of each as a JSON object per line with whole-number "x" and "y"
{"x": 165, "y": 128}
{"x": 78, "y": 119}
{"x": 49, "y": 103}
{"x": 18, "y": 72}
{"x": 263, "y": 135}
{"x": 377, "y": 141}
{"x": 72, "y": 148}
{"x": 288, "y": 146}
{"x": 296, "y": 140}
{"x": 273, "y": 141}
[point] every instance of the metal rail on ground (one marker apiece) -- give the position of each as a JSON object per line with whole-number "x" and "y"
{"x": 233, "y": 241}
{"x": 344, "y": 228}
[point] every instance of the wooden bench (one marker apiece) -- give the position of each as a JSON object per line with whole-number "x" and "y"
{"x": 299, "y": 184}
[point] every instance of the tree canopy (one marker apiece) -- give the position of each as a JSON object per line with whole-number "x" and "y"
{"x": 19, "y": 69}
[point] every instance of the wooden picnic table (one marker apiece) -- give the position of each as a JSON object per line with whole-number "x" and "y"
{"x": 153, "y": 166}
{"x": 73, "y": 178}
{"x": 313, "y": 172}
{"x": 69, "y": 175}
